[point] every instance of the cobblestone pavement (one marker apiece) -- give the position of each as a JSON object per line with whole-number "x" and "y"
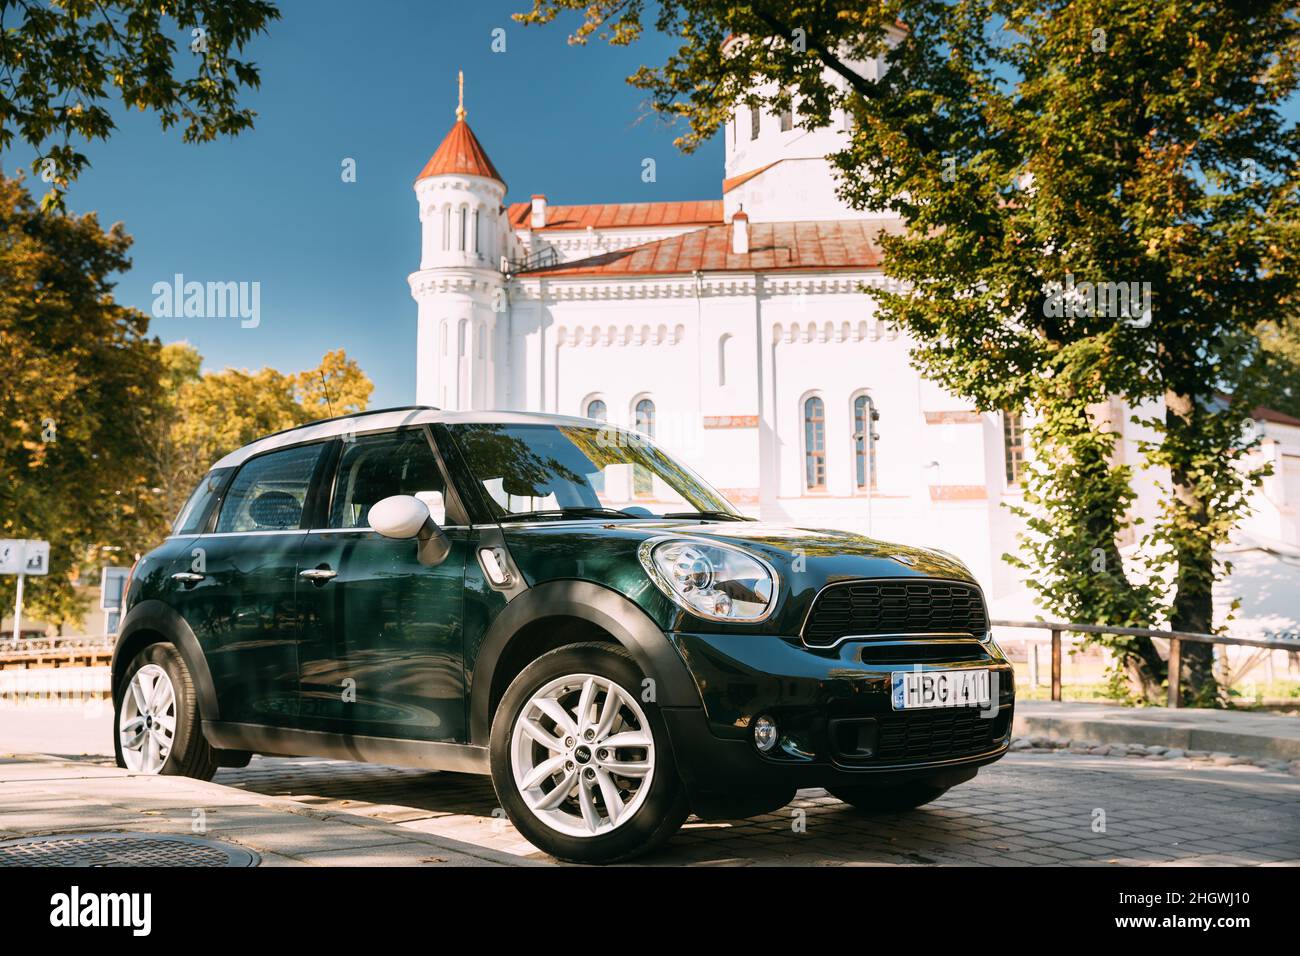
{"x": 1033, "y": 807}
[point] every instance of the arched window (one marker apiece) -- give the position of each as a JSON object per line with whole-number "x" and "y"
{"x": 478, "y": 225}
{"x": 864, "y": 442}
{"x": 722, "y": 358}
{"x": 462, "y": 224}
{"x": 644, "y": 419}
{"x": 814, "y": 443}
{"x": 754, "y": 120}
{"x": 446, "y": 228}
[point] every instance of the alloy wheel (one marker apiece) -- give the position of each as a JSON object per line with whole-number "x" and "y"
{"x": 582, "y": 754}
{"x": 147, "y": 724}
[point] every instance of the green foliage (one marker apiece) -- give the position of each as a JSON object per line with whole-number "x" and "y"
{"x": 77, "y": 377}
{"x": 60, "y": 60}
{"x": 1021, "y": 144}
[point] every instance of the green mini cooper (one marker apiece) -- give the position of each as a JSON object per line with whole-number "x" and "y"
{"x": 560, "y": 604}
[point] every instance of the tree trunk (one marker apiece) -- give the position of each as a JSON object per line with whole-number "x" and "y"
{"x": 1139, "y": 658}
{"x": 1193, "y": 603}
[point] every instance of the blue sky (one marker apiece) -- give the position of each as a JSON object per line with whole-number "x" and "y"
{"x": 374, "y": 81}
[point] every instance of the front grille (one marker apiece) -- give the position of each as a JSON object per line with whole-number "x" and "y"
{"x": 917, "y": 737}
{"x": 954, "y": 732}
{"x": 889, "y": 607}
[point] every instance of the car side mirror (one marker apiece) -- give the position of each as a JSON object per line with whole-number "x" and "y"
{"x": 403, "y": 517}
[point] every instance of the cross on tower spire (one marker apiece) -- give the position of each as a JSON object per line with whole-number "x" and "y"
{"x": 460, "y": 94}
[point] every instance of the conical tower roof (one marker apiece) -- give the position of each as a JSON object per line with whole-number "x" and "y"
{"x": 460, "y": 151}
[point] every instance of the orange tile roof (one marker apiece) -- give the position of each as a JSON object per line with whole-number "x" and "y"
{"x": 460, "y": 152}
{"x": 729, "y": 184}
{"x": 622, "y": 215}
{"x": 846, "y": 244}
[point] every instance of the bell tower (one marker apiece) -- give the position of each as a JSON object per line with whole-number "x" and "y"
{"x": 459, "y": 288}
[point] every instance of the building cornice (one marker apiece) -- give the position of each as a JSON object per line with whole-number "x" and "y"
{"x": 624, "y": 334}
{"x": 565, "y": 288}
{"x": 454, "y": 279}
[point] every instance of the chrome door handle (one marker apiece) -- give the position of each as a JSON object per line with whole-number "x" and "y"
{"x": 188, "y": 577}
{"x": 317, "y": 574}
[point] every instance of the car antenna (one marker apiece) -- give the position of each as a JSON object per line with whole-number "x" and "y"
{"x": 325, "y": 385}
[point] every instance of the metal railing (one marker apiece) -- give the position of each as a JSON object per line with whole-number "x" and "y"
{"x": 1175, "y": 639}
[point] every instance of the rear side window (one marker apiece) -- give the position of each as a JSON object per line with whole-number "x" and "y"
{"x": 268, "y": 492}
{"x": 195, "y": 511}
{"x": 377, "y": 466}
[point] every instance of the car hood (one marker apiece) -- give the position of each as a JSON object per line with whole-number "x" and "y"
{"x": 806, "y": 560}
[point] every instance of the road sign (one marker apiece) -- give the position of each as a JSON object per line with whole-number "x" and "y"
{"x": 22, "y": 557}
{"x": 18, "y": 556}
{"x": 110, "y": 588}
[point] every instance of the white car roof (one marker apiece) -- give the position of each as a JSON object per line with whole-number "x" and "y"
{"x": 388, "y": 418}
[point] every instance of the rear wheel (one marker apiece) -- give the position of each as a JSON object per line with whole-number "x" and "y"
{"x": 583, "y": 766}
{"x": 157, "y": 718}
{"x": 877, "y": 800}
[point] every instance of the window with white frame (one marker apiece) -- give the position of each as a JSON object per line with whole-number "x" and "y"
{"x": 864, "y": 442}
{"x": 814, "y": 443}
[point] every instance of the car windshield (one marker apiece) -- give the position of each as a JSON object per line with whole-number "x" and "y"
{"x": 540, "y": 471}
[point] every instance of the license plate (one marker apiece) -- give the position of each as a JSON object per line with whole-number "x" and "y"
{"x": 913, "y": 690}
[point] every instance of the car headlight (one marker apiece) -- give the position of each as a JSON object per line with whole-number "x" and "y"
{"x": 715, "y": 581}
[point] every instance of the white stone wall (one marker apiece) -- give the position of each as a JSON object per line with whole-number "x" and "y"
{"x": 728, "y": 364}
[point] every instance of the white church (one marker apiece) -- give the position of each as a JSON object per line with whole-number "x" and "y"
{"x": 735, "y": 330}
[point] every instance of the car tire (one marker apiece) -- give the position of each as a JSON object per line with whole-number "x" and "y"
{"x": 887, "y": 799}
{"x": 174, "y": 744}
{"x": 557, "y": 783}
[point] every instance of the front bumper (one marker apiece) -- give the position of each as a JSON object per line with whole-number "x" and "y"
{"x": 836, "y": 721}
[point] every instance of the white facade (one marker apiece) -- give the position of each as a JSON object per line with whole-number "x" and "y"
{"x": 730, "y": 354}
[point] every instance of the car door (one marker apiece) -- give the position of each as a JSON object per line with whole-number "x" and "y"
{"x": 238, "y": 593}
{"x": 382, "y": 650}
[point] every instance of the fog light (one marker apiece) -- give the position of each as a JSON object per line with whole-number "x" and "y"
{"x": 765, "y": 735}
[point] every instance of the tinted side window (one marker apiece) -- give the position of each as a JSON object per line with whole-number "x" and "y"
{"x": 268, "y": 492}
{"x": 376, "y": 466}
{"x": 195, "y": 510}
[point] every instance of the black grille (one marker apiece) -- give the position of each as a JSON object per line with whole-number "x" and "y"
{"x": 955, "y": 732}
{"x": 919, "y": 736}
{"x": 877, "y": 608}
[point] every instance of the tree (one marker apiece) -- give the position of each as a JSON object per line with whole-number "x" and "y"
{"x": 77, "y": 376}
{"x": 1025, "y": 145}
{"x": 58, "y": 61}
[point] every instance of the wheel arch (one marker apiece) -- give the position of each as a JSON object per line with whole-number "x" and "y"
{"x": 152, "y": 622}
{"x": 584, "y": 611}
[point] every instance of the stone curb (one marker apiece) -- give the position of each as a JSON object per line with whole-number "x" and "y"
{"x": 1042, "y": 744}
{"x": 1173, "y": 736}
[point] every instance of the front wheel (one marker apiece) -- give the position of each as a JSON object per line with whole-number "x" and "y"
{"x": 582, "y": 765}
{"x": 884, "y": 800}
{"x": 156, "y": 718}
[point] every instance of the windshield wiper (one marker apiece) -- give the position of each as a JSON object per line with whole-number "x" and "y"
{"x": 567, "y": 513}
{"x": 711, "y": 515}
